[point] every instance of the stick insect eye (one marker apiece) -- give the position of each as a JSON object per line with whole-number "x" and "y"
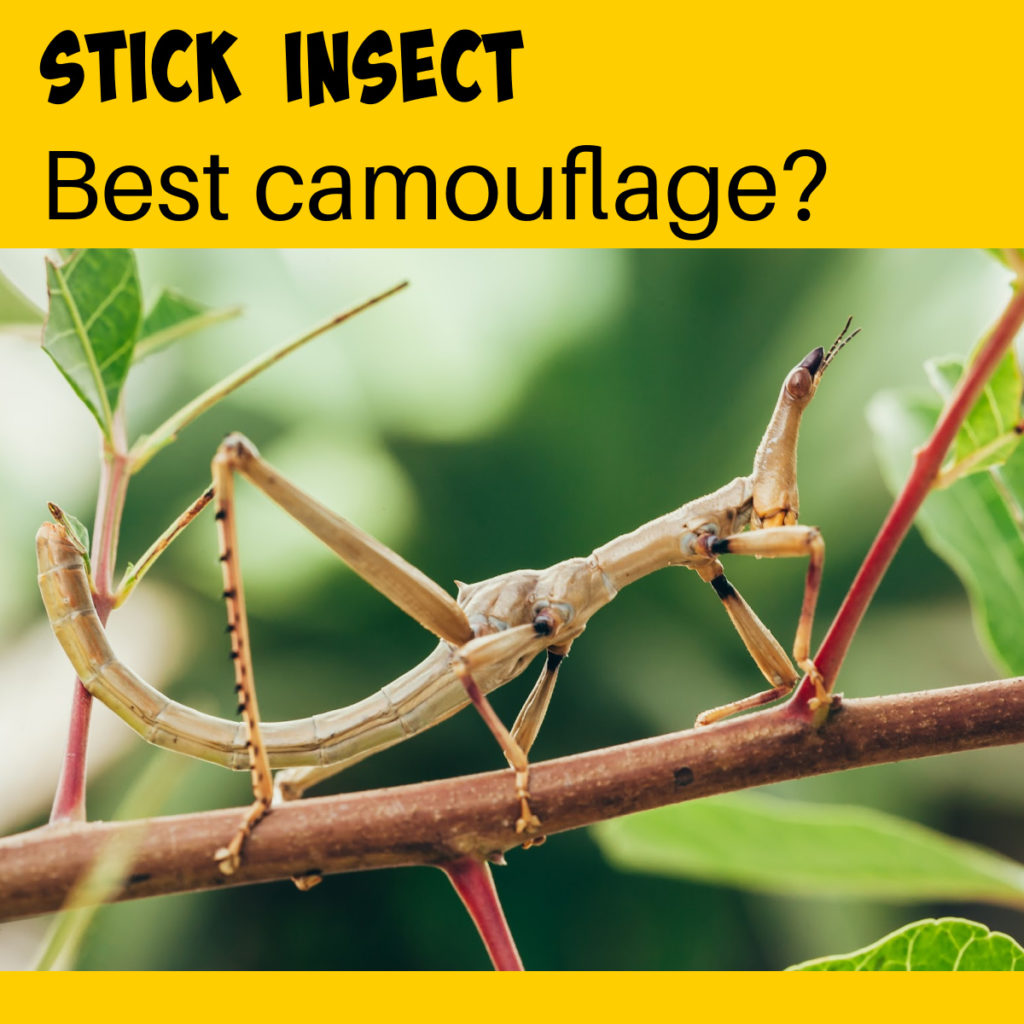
{"x": 544, "y": 622}
{"x": 547, "y": 618}
{"x": 799, "y": 382}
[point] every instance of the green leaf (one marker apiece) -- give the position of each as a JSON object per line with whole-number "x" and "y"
{"x": 15, "y": 309}
{"x": 76, "y": 530}
{"x": 753, "y": 841}
{"x": 975, "y": 526}
{"x": 172, "y": 317}
{"x": 989, "y": 435}
{"x": 94, "y": 317}
{"x": 939, "y": 944}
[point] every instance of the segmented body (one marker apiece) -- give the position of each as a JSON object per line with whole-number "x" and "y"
{"x": 427, "y": 694}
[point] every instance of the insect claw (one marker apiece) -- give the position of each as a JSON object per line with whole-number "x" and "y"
{"x": 527, "y": 819}
{"x": 227, "y": 860}
{"x": 532, "y": 821}
{"x": 306, "y": 882}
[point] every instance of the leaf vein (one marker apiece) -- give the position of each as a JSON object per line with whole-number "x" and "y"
{"x": 110, "y": 296}
{"x": 90, "y": 356}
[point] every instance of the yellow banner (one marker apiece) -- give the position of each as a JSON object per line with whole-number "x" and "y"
{"x": 536, "y": 125}
{"x": 453, "y": 998}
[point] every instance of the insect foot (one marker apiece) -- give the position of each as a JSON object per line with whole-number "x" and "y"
{"x": 227, "y": 859}
{"x": 306, "y": 882}
{"x": 527, "y": 819}
{"x": 821, "y": 696}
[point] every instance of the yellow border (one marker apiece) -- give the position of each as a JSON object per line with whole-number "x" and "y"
{"x": 914, "y": 108}
{"x": 451, "y": 998}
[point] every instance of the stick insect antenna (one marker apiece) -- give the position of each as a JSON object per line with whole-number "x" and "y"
{"x": 839, "y": 344}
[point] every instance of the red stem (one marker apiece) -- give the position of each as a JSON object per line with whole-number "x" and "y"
{"x": 473, "y": 882}
{"x": 69, "y": 800}
{"x": 927, "y": 463}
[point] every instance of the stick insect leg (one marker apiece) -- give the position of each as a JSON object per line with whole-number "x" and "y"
{"x": 406, "y": 587}
{"x": 513, "y": 751}
{"x": 535, "y": 707}
{"x": 160, "y": 545}
{"x": 771, "y": 542}
{"x": 291, "y": 783}
{"x": 789, "y": 542}
{"x": 403, "y": 584}
{"x": 767, "y": 652}
{"x": 229, "y": 857}
{"x": 486, "y": 650}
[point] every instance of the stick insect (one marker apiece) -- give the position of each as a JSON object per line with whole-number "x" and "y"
{"x": 488, "y": 634}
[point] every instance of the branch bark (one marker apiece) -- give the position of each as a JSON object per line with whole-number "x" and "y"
{"x": 435, "y": 822}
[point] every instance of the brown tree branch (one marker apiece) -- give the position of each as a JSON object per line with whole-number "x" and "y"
{"x": 439, "y": 821}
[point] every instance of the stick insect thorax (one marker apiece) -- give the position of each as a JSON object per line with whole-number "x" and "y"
{"x": 537, "y": 610}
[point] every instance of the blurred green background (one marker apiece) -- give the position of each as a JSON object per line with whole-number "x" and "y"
{"x": 508, "y": 410}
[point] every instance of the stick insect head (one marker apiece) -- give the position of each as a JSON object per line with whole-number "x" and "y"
{"x": 776, "y": 499}
{"x": 803, "y": 379}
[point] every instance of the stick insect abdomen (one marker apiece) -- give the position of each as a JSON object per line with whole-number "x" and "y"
{"x": 64, "y": 586}
{"x": 425, "y": 695}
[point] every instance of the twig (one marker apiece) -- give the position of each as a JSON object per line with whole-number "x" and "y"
{"x": 69, "y": 799}
{"x": 927, "y": 463}
{"x": 439, "y": 821}
{"x": 471, "y": 879}
{"x": 149, "y": 444}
